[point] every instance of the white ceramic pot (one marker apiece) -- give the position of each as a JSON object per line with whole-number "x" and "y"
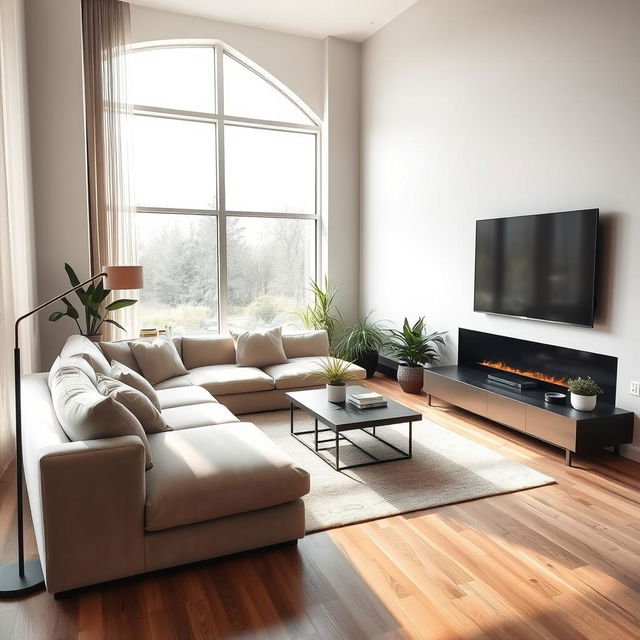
{"x": 583, "y": 403}
{"x": 336, "y": 392}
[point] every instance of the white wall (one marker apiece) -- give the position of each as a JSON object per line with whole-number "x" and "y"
{"x": 56, "y": 114}
{"x": 495, "y": 108}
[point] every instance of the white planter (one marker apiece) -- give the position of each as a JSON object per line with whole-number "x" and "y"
{"x": 336, "y": 392}
{"x": 583, "y": 403}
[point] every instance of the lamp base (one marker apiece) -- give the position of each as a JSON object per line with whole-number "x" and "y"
{"x": 13, "y": 586}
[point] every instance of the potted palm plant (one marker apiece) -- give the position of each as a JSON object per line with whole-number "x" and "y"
{"x": 335, "y": 373}
{"x": 95, "y": 311}
{"x": 584, "y": 393}
{"x": 362, "y": 342}
{"x": 322, "y": 312}
{"x": 414, "y": 349}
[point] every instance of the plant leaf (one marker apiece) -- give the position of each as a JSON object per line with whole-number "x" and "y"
{"x": 120, "y": 304}
{"x": 72, "y": 312}
{"x": 115, "y": 323}
{"x": 56, "y": 315}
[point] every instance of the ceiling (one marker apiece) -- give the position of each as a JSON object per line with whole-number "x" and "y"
{"x": 350, "y": 19}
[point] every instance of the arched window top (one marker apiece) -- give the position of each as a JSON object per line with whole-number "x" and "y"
{"x": 184, "y": 77}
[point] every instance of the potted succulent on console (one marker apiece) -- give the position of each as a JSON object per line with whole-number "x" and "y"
{"x": 584, "y": 393}
{"x": 414, "y": 349}
{"x": 95, "y": 311}
{"x": 362, "y": 342}
{"x": 335, "y": 374}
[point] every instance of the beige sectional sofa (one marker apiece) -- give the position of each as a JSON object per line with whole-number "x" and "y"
{"x": 217, "y": 484}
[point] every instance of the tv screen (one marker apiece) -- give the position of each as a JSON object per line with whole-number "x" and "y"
{"x": 539, "y": 266}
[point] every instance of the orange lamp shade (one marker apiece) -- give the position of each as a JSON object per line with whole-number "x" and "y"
{"x": 123, "y": 277}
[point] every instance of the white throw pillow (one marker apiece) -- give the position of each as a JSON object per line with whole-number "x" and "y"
{"x": 158, "y": 360}
{"x": 259, "y": 348}
{"x": 120, "y": 352}
{"x": 134, "y": 400}
{"x": 85, "y": 414}
{"x": 122, "y": 373}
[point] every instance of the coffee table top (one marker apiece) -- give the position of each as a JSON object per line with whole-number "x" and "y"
{"x": 344, "y": 416}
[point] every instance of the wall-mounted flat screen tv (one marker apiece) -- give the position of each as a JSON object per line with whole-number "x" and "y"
{"x": 540, "y": 267}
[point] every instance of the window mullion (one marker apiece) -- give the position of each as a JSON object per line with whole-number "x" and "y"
{"x": 223, "y": 289}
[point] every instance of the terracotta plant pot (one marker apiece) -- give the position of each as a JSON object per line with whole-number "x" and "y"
{"x": 410, "y": 379}
{"x": 369, "y": 362}
{"x": 336, "y": 393}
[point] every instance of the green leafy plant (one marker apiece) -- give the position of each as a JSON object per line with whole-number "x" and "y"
{"x": 584, "y": 387}
{"x": 92, "y": 299}
{"x": 365, "y": 336}
{"x": 412, "y": 346}
{"x": 333, "y": 371}
{"x": 322, "y": 312}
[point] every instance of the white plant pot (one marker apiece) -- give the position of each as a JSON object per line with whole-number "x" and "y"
{"x": 583, "y": 403}
{"x": 336, "y": 392}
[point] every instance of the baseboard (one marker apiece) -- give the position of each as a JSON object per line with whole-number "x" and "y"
{"x": 631, "y": 451}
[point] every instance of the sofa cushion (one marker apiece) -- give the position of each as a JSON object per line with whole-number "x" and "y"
{"x": 299, "y": 372}
{"x": 120, "y": 352}
{"x": 78, "y": 345}
{"x": 222, "y": 379}
{"x": 306, "y": 343}
{"x": 215, "y": 471}
{"x": 183, "y": 396}
{"x": 84, "y": 413}
{"x": 174, "y": 383}
{"x": 134, "y": 400}
{"x": 158, "y": 360}
{"x": 197, "y": 415}
{"x": 259, "y": 348}
{"x": 122, "y": 373}
{"x": 200, "y": 352}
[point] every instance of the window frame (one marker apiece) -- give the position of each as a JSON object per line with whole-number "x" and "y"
{"x": 220, "y": 120}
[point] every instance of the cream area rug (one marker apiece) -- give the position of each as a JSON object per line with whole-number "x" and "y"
{"x": 445, "y": 468}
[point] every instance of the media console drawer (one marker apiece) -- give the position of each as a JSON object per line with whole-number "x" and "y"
{"x": 551, "y": 427}
{"x": 458, "y": 393}
{"x": 506, "y": 411}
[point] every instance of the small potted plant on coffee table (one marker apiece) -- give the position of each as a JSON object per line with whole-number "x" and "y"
{"x": 414, "y": 348}
{"x": 362, "y": 342}
{"x": 584, "y": 393}
{"x": 335, "y": 373}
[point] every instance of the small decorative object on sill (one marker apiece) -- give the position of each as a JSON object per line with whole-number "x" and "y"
{"x": 148, "y": 333}
{"x": 584, "y": 393}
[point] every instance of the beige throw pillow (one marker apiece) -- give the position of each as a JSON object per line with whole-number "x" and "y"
{"x": 122, "y": 373}
{"x": 259, "y": 348}
{"x": 77, "y": 345}
{"x": 306, "y": 343}
{"x": 158, "y": 360}
{"x": 85, "y": 414}
{"x": 120, "y": 352}
{"x": 134, "y": 400}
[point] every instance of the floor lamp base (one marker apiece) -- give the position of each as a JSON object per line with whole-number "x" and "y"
{"x": 13, "y": 586}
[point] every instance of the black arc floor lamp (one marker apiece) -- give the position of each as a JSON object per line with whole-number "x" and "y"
{"x": 23, "y": 577}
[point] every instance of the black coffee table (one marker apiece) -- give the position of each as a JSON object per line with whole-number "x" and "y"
{"x": 344, "y": 417}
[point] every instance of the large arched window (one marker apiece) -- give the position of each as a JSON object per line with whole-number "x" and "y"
{"x": 226, "y": 191}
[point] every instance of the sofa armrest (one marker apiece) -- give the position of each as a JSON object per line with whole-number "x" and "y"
{"x": 91, "y": 511}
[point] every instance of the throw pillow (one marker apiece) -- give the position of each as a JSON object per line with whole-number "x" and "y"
{"x": 134, "y": 400}
{"x": 307, "y": 343}
{"x": 259, "y": 348}
{"x": 120, "y": 352}
{"x": 77, "y": 345}
{"x": 158, "y": 360}
{"x": 122, "y": 373}
{"x": 85, "y": 414}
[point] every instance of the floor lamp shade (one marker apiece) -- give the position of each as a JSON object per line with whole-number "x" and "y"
{"x": 123, "y": 277}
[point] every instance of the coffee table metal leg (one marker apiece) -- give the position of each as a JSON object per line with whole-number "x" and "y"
{"x": 316, "y": 435}
{"x": 291, "y": 415}
{"x": 337, "y": 451}
{"x": 410, "y": 439}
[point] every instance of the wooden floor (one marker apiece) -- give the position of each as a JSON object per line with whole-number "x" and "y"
{"x": 561, "y": 561}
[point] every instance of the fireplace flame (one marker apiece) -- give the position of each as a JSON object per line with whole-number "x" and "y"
{"x": 538, "y": 375}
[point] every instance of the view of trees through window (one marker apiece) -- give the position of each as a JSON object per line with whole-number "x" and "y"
{"x": 225, "y": 188}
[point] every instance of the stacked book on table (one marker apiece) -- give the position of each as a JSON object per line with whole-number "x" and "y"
{"x": 368, "y": 400}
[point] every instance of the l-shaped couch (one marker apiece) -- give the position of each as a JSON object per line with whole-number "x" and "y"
{"x": 217, "y": 486}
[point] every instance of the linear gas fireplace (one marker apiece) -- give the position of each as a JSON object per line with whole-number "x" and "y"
{"x": 523, "y": 364}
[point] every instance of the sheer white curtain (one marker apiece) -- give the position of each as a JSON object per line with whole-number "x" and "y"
{"x": 17, "y": 262}
{"x": 106, "y": 38}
